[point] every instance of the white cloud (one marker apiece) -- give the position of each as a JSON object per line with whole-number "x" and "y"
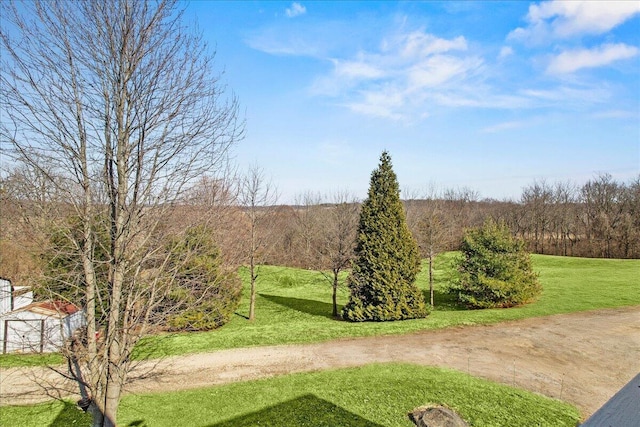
{"x": 505, "y": 52}
{"x": 358, "y": 69}
{"x": 616, "y": 114}
{"x": 383, "y": 103}
{"x": 562, "y": 19}
{"x": 296, "y": 9}
{"x": 419, "y": 44}
{"x": 574, "y": 60}
{"x": 576, "y": 96}
{"x": 480, "y": 97}
{"x": 439, "y": 69}
{"x": 396, "y": 80}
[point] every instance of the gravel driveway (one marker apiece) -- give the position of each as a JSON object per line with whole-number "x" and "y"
{"x": 582, "y": 358}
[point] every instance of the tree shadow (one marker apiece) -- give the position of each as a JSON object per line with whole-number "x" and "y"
{"x": 241, "y": 315}
{"x": 307, "y": 410}
{"x": 313, "y": 307}
{"x": 70, "y": 415}
{"x": 444, "y": 301}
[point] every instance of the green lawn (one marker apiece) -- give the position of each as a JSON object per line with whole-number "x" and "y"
{"x": 371, "y": 396}
{"x": 294, "y": 306}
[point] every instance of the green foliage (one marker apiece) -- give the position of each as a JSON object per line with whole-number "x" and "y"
{"x": 63, "y": 276}
{"x": 387, "y": 258}
{"x": 204, "y": 295}
{"x": 495, "y": 269}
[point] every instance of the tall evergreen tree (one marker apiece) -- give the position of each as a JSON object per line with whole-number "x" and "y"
{"x": 387, "y": 258}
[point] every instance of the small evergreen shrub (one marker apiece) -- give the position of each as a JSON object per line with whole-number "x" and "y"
{"x": 210, "y": 314}
{"x": 204, "y": 295}
{"x": 495, "y": 269}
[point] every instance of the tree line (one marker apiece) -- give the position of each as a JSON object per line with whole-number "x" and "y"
{"x": 599, "y": 219}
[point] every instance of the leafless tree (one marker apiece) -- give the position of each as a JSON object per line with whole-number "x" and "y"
{"x": 603, "y": 213}
{"x": 307, "y": 219}
{"x": 214, "y": 200}
{"x": 432, "y": 224}
{"x": 462, "y": 205}
{"x": 537, "y": 199}
{"x": 257, "y": 196}
{"x": 564, "y": 227}
{"x": 116, "y": 103}
{"x": 337, "y": 238}
{"x": 630, "y": 239}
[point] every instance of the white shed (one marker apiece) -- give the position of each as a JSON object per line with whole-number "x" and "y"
{"x": 13, "y": 297}
{"x": 34, "y": 327}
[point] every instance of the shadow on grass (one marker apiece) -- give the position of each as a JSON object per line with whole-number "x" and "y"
{"x": 138, "y": 423}
{"x": 70, "y": 415}
{"x": 241, "y": 315}
{"x": 315, "y": 308}
{"x": 444, "y": 301}
{"x": 307, "y": 410}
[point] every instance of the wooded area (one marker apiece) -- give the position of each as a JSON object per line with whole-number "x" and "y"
{"x": 600, "y": 219}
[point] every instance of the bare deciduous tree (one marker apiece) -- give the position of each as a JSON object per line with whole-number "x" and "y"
{"x": 538, "y": 198}
{"x": 602, "y": 199}
{"x": 257, "y": 196}
{"x": 431, "y": 225}
{"x": 337, "y": 238}
{"x": 306, "y": 214}
{"x": 116, "y": 104}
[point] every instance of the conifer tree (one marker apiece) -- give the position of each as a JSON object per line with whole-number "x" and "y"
{"x": 495, "y": 269}
{"x": 387, "y": 258}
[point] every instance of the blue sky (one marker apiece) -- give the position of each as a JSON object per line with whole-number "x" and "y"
{"x": 485, "y": 95}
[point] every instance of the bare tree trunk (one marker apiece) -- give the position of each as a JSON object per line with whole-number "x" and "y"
{"x": 115, "y": 103}
{"x": 257, "y": 196}
{"x": 252, "y": 272}
{"x": 431, "y": 276}
{"x": 334, "y": 294}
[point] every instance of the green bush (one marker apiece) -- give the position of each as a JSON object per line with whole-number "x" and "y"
{"x": 387, "y": 258}
{"x": 208, "y": 315}
{"x": 204, "y": 296}
{"x": 495, "y": 269}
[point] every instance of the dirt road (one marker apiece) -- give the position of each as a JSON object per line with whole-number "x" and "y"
{"x": 582, "y": 358}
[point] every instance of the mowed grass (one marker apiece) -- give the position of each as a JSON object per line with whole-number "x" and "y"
{"x": 370, "y": 396}
{"x": 294, "y": 305}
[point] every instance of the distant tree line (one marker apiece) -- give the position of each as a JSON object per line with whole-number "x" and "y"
{"x": 599, "y": 219}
